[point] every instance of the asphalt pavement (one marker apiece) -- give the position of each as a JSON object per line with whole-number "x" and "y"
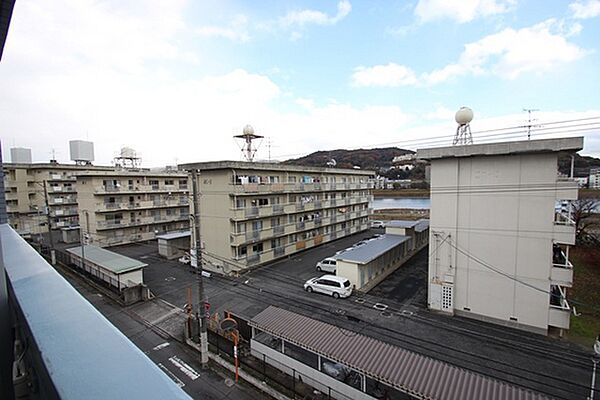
{"x": 393, "y": 311}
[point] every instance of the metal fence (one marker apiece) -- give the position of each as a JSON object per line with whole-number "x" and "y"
{"x": 293, "y": 385}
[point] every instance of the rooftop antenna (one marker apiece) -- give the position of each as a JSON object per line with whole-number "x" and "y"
{"x": 53, "y": 153}
{"x": 463, "y": 117}
{"x": 529, "y": 121}
{"x": 248, "y": 137}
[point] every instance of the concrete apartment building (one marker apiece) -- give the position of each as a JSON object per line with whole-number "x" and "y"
{"x": 252, "y": 213}
{"x": 594, "y": 178}
{"x": 500, "y": 232}
{"x": 126, "y": 206}
{"x": 25, "y": 199}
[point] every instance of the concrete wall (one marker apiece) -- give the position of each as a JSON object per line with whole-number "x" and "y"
{"x": 500, "y": 210}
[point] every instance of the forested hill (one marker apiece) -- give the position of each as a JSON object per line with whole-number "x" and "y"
{"x": 380, "y": 160}
{"x": 374, "y": 159}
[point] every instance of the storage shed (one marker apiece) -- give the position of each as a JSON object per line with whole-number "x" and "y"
{"x": 173, "y": 245}
{"x": 118, "y": 271}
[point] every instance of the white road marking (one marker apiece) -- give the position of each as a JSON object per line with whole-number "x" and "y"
{"x": 183, "y": 367}
{"x": 177, "y": 381}
{"x": 161, "y": 346}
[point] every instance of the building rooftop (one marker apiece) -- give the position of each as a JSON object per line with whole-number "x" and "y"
{"x": 174, "y": 235}
{"x": 503, "y": 148}
{"x": 50, "y": 165}
{"x": 369, "y": 251}
{"x": 419, "y": 225}
{"x": 133, "y": 172}
{"x": 116, "y": 263}
{"x": 405, "y": 370}
{"x": 241, "y": 165}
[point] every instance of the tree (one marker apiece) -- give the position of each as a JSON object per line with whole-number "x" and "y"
{"x": 584, "y": 214}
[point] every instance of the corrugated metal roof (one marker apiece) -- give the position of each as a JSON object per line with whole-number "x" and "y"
{"x": 372, "y": 249}
{"x": 405, "y": 370}
{"x": 174, "y": 235}
{"x": 107, "y": 259}
{"x": 422, "y": 224}
{"x": 400, "y": 223}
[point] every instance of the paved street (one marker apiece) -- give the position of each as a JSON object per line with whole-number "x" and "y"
{"x": 176, "y": 360}
{"x": 555, "y": 367}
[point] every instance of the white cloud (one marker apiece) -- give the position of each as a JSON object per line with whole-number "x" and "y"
{"x": 236, "y": 30}
{"x": 460, "y": 10}
{"x": 582, "y": 10}
{"x": 390, "y": 75}
{"x": 440, "y": 113}
{"x": 510, "y": 52}
{"x": 507, "y": 54}
{"x": 307, "y": 17}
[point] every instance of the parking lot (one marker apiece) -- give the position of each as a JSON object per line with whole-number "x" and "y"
{"x": 393, "y": 312}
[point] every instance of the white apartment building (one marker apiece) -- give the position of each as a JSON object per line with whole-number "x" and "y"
{"x": 126, "y": 206}
{"x": 498, "y": 244}
{"x": 253, "y": 213}
{"x": 594, "y": 179}
{"x": 25, "y": 197}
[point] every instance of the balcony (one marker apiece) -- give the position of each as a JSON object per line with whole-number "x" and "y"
{"x": 559, "y": 313}
{"x": 251, "y": 212}
{"x": 278, "y": 230}
{"x": 300, "y": 225}
{"x": 277, "y": 209}
{"x": 279, "y": 251}
{"x": 566, "y": 189}
{"x": 253, "y": 235}
{"x": 88, "y": 344}
{"x": 562, "y": 270}
{"x": 564, "y": 228}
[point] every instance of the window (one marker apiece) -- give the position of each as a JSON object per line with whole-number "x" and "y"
{"x": 242, "y": 251}
{"x": 169, "y": 182}
{"x": 257, "y": 248}
{"x": 240, "y": 203}
{"x": 292, "y": 179}
{"x": 263, "y": 202}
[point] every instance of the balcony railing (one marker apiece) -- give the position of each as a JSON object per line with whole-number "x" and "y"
{"x": 278, "y": 230}
{"x": 279, "y": 251}
{"x": 88, "y": 344}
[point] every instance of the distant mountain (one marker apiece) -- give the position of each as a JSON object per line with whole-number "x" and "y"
{"x": 582, "y": 164}
{"x": 375, "y": 159}
{"x": 380, "y": 160}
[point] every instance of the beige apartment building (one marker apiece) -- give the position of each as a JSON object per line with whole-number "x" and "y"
{"x": 126, "y": 205}
{"x": 25, "y": 199}
{"x": 252, "y": 213}
{"x": 501, "y": 228}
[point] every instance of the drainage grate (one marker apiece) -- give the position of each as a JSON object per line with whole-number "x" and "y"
{"x": 170, "y": 278}
{"x": 340, "y": 311}
{"x": 380, "y": 306}
{"x": 386, "y": 314}
{"x": 360, "y": 301}
{"x": 407, "y": 313}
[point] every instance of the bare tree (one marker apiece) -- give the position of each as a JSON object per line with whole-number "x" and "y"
{"x": 584, "y": 214}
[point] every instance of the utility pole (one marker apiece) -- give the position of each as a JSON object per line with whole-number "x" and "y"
{"x": 529, "y": 121}
{"x": 202, "y": 328}
{"x": 52, "y": 252}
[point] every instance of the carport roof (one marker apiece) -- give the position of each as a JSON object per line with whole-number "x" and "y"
{"x": 372, "y": 249}
{"x": 419, "y": 225}
{"x": 405, "y": 370}
{"x": 113, "y": 262}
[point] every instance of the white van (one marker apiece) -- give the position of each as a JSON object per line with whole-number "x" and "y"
{"x": 327, "y": 265}
{"x": 331, "y": 285}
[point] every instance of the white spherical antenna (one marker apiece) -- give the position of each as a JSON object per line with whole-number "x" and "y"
{"x": 248, "y": 130}
{"x": 464, "y": 116}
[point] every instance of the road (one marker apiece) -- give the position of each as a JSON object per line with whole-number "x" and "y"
{"x": 554, "y": 367}
{"x": 176, "y": 360}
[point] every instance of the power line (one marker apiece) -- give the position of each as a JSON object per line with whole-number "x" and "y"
{"x": 520, "y": 129}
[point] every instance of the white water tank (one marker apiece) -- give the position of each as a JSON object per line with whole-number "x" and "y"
{"x": 81, "y": 150}
{"x": 20, "y": 155}
{"x": 464, "y": 116}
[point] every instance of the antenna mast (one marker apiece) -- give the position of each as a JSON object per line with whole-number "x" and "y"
{"x": 248, "y": 137}
{"x": 529, "y": 121}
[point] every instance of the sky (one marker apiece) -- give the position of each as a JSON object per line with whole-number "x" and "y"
{"x": 175, "y": 80}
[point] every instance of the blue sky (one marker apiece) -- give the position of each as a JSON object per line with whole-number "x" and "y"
{"x": 175, "y": 80}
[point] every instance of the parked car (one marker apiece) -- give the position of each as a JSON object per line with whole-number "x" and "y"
{"x": 332, "y": 285}
{"x": 327, "y": 265}
{"x": 377, "y": 224}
